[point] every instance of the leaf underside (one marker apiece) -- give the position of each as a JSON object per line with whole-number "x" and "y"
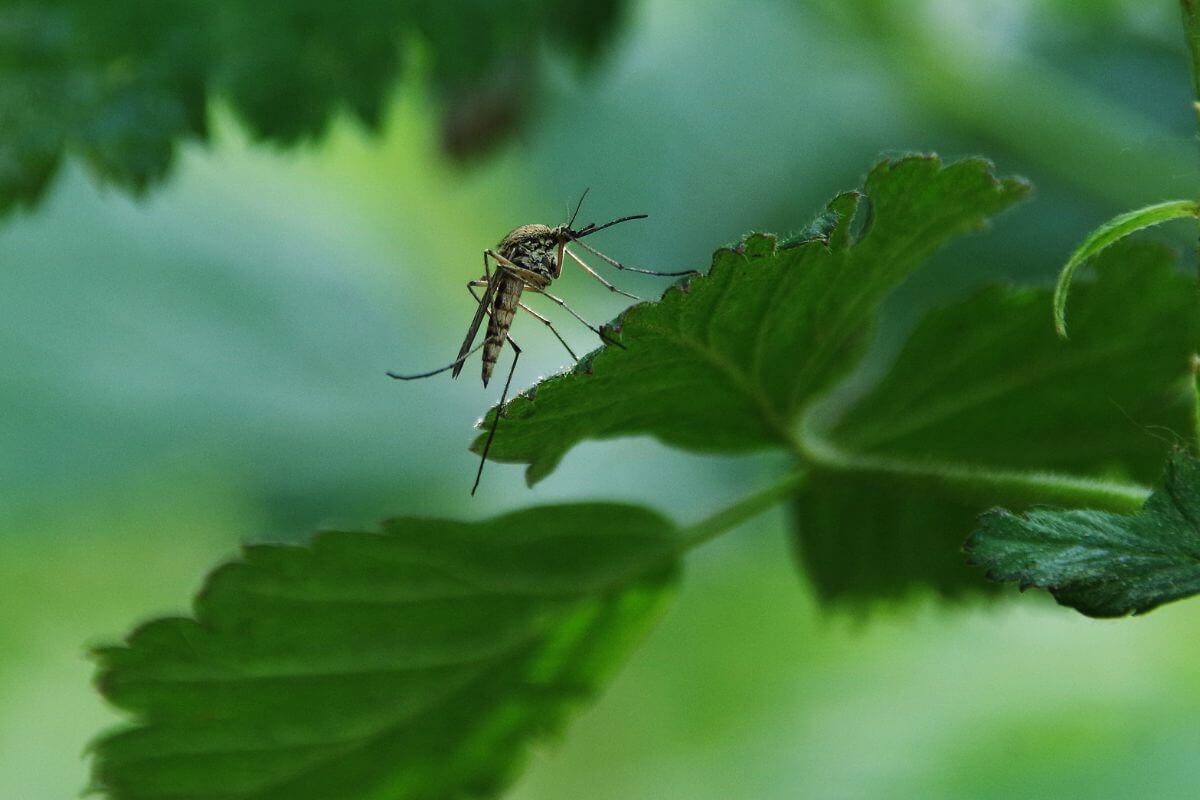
{"x": 726, "y": 361}
{"x": 122, "y": 83}
{"x": 1103, "y": 565}
{"x": 413, "y": 663}
{"x": 986, "y": 383}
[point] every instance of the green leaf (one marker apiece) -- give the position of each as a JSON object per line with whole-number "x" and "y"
{"x": 726, "y": 362}
{"x": 1103, "y": 565}
{"x": 866, "y": 536}
{"x": 1107, "y": 234}
{"x": 415, "y": 663}
{"x": 986, "y": 382}
{"x": 130, "y": 81}
{"x": 984, "y": 386}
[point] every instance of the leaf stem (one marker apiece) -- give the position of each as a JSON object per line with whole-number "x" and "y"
{"x": 1038, "y": 487}
{"x": 748, "y": 507}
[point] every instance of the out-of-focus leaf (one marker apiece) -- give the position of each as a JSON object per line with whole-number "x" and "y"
{"x": 413, "y": 663}
{"x": 866, "y": 536}
{"x": 726, "y": 362}
{"x": 1103, "y": 565}
{"x": 122, "y": 83}
{"x": 986, "y": 384}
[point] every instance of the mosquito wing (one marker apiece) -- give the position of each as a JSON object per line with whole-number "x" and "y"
{"x": 484, "y": 304}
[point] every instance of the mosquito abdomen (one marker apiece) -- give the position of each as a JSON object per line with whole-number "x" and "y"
{"x": 504, "y": 306}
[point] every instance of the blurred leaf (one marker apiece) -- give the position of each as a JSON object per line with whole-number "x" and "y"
{"x": 416, "y": 663}
{"x": 1103, "y": 565}
{"x": 986, "y": 383}
{"x": 1110, "y": 232}
{"x": 117, "y": 82}
{"x": 122, "y": 83}
{"x": 726, "y": 362}
{"x": 866, "y": 536}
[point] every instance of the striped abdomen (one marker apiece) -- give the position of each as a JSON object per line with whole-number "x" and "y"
{"x": 504, "y": 306}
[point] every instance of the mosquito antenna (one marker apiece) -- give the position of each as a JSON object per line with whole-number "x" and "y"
{"x": 591, "y": 228}
{"x": 496, "y": 420}
{"x": 578, "y": 206}
{"x": 451, "y": 365}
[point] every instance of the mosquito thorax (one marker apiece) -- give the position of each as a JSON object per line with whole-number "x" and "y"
{"x": 535, "y": 248}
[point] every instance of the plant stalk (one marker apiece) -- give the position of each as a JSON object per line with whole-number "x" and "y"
{"x": 1049, "y": 488}
{"x": 748, "y": 507}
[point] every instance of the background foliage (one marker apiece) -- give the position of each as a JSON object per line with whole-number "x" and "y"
{"x": 206, "y": 365}
{"x": 120, "y": 85}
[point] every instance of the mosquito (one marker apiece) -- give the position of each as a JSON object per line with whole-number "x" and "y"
{"x": 528, "y": 259}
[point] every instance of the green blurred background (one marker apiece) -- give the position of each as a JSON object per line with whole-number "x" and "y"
{"x": 205, "y": 366}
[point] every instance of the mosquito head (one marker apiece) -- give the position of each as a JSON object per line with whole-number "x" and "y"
{"x": 563, "y": 233}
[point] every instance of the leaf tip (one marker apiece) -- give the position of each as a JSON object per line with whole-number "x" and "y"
{"x": 541, "y": 467}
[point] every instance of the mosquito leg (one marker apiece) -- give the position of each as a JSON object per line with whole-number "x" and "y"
{"x": 598, "y": 277}
{"x": 531, "y": 278}
{"x": 572, "y": 312}
{"x": 613, "y": 262}
{"x": 431, "y": 373}
{"x": 501, "y": 260}
{"x": 553, "y": 330}
{"x": 472, "y": 286}
{"x": 487, "y": 446}
{"x": 466, "y": 350}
